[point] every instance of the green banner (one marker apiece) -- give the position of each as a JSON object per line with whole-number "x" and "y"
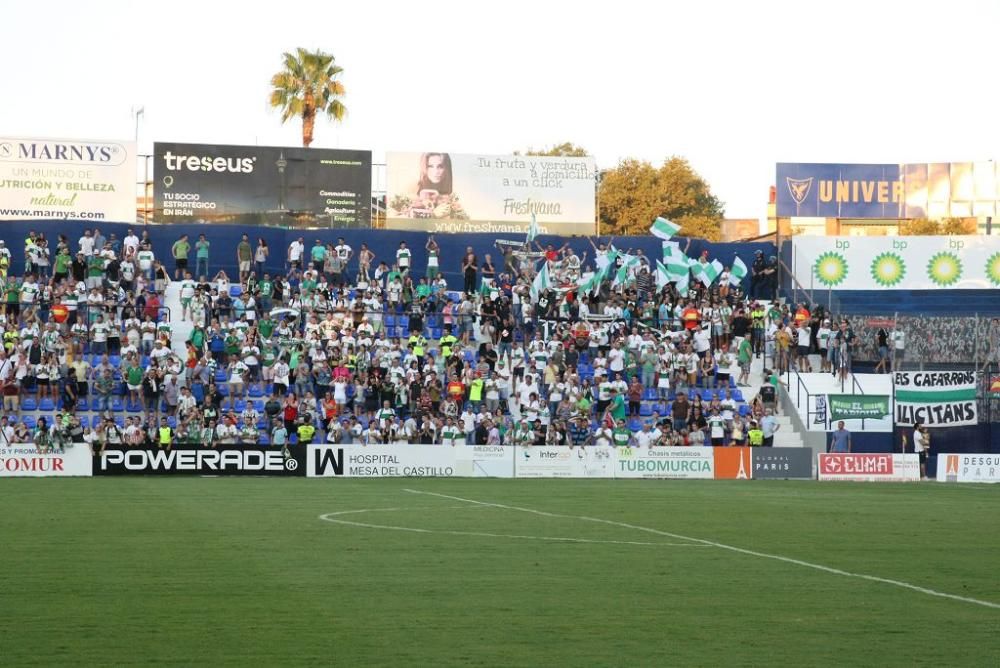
{"x": 858, "y": 406}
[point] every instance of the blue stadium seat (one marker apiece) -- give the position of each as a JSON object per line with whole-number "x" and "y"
{"x": 706, "y": 395}
{"x": 133, "y": 407}
{"x": 258, "y": 405}
{"x": 29, "y": 404}
{"x": 255, "y": 391}
{"x": 95, "y": 404}
{"x": 199, "y": 393}
{"x": 29, "y": 421}
{"x": 390, "y": 321}
{"x": 120, "y": 421}
{"x": 96, "y": 422}
{"x": 744, "y": 410}
{"x": 172, "y": 422}
{"x": 220, "y": 376}
{"x": 117, "y": 406}
{"x": 235, "y": 290}
{"x": 116, "y": 360}
{"x": 738, "y": 394}
{"x": 649, "y": 394}
{"x": 264, "y": 439}
{"x": 240, "y": 405}
{"x": 645, "y": 409}
{"x": 635, "y": 425}
{"x": 46, "y": 404}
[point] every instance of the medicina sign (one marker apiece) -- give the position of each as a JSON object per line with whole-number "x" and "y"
{"x": 67, "y": 179}
{"x": 935, "y": 398}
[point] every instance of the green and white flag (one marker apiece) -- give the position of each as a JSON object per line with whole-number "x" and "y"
{"x": 663, "y": 228}
{"x": 541, "y": 282}
{"x": 532, "y": 229}
{"x": 738, "y": 272}
{"x": 707, "y": 272}
{"x": 674, "y": 259}
{"x": 683, "y": 284}
{"x": 662, "y": 275}
{"x": 625, "y": 275}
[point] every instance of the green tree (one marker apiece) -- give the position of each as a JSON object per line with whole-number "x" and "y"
{"x": 955, "y": 226}
{"x": 920, "y": 227}
{"x": 308, "y": 86}
{"x": 566, "y": 149}
{"x": 635, "y": 192}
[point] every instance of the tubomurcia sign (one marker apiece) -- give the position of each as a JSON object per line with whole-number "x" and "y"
{"x": 202, "y": 461}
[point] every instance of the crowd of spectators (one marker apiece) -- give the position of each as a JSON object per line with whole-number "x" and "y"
{"x": 344, "y": 346}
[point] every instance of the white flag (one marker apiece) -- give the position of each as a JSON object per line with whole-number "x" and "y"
{"x": 663, "y": 228}
{"x": 738, "y": 272}
{"x": 532, "y": 229}
{"x": 662, "y": 275}
{"x": 707, "y": 272}
{"x": 541, "y": 282}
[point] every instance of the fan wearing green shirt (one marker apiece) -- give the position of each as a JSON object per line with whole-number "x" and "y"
{"x": 201, "y": 256}
{"x": 265, "y": 290}
{"x": 616, "y": 409}
{"x": 621, "y": 435}
{"x": 318, "y": 255}
{"x": 180, "y": 250}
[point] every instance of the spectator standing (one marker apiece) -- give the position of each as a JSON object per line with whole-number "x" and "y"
{"x": 840, "y": 440}
{"x": 201, "y": 256}
{"x": 244, "y": 254}
{"x": 180, "y": 250}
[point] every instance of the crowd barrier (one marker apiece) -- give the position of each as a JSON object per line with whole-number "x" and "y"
{"x": 503, "y": 461}
{"x": 493, "y": 461}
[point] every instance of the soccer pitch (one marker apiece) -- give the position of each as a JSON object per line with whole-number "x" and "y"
{"x": 200, "y": 571}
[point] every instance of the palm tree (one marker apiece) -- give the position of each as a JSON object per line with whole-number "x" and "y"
{"x": 308, "y": 86}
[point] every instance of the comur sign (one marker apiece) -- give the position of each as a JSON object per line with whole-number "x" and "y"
{"x": 916, "y": 190}
{"x": 67, "y": 179}
{"x": 262, "y": 185}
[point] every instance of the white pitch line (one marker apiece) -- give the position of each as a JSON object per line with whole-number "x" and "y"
{"x": 329, "y": 517}
{"x": 731, "y": 548}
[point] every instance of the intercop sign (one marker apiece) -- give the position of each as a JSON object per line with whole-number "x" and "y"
{"x": 869, "y": 467}
{"x": 968, "y": 468}
{"x": 915, "y": 190}
{"x": 67, "y": 179}
{"x": 262, "y": 185}
{"x": 201, "y": 461}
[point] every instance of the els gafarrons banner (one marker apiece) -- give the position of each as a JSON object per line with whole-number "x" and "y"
{"x": 67, "y": 179}
{"x": 935, "y": 398}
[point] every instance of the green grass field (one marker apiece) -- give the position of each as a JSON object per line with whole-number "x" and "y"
{"x": 191, "y": 571}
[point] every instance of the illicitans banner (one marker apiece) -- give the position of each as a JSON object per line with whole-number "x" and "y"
{"x": 262, "y": 185}
{"x": 898, "y": 263}
{"x": 935, "y": 398}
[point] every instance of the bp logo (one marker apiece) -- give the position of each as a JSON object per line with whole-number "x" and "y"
{"x": 993, "y": 269}
{"x": 888, "y": 269}
{"x": 831, "y": 269}
{"x": 944, "y": 269}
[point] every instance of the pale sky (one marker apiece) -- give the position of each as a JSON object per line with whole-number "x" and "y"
{"x": 732, "y": 86}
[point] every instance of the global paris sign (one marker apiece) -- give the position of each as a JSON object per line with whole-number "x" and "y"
{"x": 869, "y": 467}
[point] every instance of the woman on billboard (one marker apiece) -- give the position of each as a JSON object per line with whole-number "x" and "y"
{"x": 435, "y": 177}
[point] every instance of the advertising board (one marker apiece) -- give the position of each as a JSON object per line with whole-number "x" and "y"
{"x": 967, "y": 467}
{"x": 451, "y": 192}
{"x": 869, "y": 467}
{"x": 666, "y": 462}
{"x": 24, "y": 460}
{"x": 782, "y": 463}
{"x": 262, "y": 185}
{"x": 67, "y": 179}
{"x": 564, "y": 462}
{"x": 198, "y": 460}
